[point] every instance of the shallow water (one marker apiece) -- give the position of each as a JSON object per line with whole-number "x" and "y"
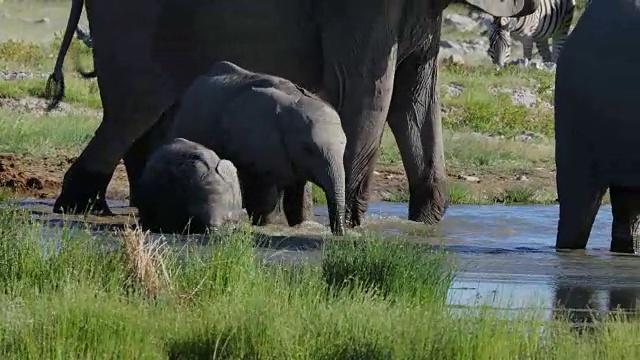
{"x": 505, "y": 255}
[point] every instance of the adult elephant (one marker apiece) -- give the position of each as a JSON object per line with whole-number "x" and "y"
{"x": 597, "y": 125}
{"x": 371, "y": 59}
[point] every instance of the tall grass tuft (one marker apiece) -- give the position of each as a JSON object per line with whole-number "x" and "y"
{"x": 386, "y": 267}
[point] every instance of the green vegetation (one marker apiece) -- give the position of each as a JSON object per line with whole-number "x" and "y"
{"x": 74, "y": 296}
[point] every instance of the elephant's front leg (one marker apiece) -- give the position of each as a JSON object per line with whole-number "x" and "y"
{"x": 414, "y": 118}
{"x": 625, "y": 231}
{"x": 358, "y": 82}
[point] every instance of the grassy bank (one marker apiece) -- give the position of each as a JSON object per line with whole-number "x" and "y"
{"x": 366, "y": 300}
{"x": 497, "y": 150}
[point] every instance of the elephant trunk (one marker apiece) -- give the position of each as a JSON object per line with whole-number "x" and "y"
{"x": 334, "y": 188}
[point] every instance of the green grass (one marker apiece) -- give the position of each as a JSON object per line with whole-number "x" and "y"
{"x": 370, "y": 299}
{"x": 44, "y": 136}
{"x": 460, "y": 193}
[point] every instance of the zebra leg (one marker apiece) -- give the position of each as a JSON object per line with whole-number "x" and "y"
{"x": 560, "y": 36}
{"x": 543, "y": 50}
{"x": 558, "y": 42}
{"x": 527, "y": 49}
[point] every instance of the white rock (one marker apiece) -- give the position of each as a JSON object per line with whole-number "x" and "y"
{"x": 459, "y": 22}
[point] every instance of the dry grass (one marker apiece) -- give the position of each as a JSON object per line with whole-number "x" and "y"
{"x": 145, "y": 260}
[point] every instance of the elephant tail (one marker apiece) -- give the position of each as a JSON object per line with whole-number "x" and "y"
{"x": 54, "y": 88}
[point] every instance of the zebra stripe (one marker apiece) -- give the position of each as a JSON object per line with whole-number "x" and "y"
{"x": 552, "y": 20}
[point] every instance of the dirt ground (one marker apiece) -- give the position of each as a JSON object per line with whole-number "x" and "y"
{"x": 42, "y": 178}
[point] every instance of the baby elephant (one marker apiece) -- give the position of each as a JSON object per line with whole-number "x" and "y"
{"x": 277, "y": 134}
{"x": 185, "y": 184}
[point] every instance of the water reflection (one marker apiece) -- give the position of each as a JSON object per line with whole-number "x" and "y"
{"x": 583, "y": 304}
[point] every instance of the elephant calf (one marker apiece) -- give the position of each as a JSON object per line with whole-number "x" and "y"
{"x": 185, "y": 184}
{"x": 597, "y": 125}
{"x": 276, "y": 133}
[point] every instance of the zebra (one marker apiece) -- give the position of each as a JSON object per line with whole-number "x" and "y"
{"x": 552, "y": 20}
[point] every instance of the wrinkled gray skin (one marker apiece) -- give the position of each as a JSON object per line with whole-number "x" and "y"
{"x": 373, "y": 61}
{"x": 185, "y": 186}
{"x": 597, "y": 124}
{"x": 277, "y": 134}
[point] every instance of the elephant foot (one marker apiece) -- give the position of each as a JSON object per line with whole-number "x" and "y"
{"x": 83, "y": 191}
{"x": 625, "y": 231}
{"x": 355, "y": 212}
{"x": 428, "y": 203}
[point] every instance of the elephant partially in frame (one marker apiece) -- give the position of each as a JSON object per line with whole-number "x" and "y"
{"x": 373, "y": 60}
{"x": 597, "y": 125}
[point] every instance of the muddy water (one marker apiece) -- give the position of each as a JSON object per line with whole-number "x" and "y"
{"x": 504, "y": 255}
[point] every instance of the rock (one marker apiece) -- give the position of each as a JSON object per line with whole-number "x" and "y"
{"x": 20, "y": 74}
{"x": 528, "y": 136}
{"x": 459, "y": 22}
{"x": 482, "y": 19}
{"x": 522, "y": 137}
{"x": 42, "y": 21}
{"x": 474, "y": 179}
{"x": 521, "y": 96}
{"x": 473, "y": 50}
{"x": 522, "y": 178}
{"x": 454, "y": 59}
{"x": 453, "y": 89}
{"x": 535, "y": 63}
{"x": 524, "y": 97}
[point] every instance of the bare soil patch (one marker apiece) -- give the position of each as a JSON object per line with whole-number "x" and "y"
{"x": 42, "y": 178}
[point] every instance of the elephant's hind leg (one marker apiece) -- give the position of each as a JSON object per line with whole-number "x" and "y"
{"x": 579, "y": 204}
{"x": 293, "y": 203}
{"x": 136, "y": 157}
{"x": 260, "y": 197}
{"x": 579, "y": 191}
{"x": 625, "y": 206}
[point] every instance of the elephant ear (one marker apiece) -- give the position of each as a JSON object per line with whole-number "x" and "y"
{"x": 506, "y": 8}
{"x": 227, "y": 171}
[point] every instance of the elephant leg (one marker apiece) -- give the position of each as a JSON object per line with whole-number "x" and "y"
{"x": 293, "y": 203}
{"x": 414, "y": 118}
{"x": 579, "y": 200}
{"x": 359, "y": 84}
{"x": 624, "y": 299}
{"x": 625, "y": 206}
{"x": 136, "y": 157}
{"x": 278, "y": 214}
{"x": 134, "y": 94}
{"x": 259, "y": 197}
{"x": 576, "y": 303}
{"x": 580, "y": 191}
